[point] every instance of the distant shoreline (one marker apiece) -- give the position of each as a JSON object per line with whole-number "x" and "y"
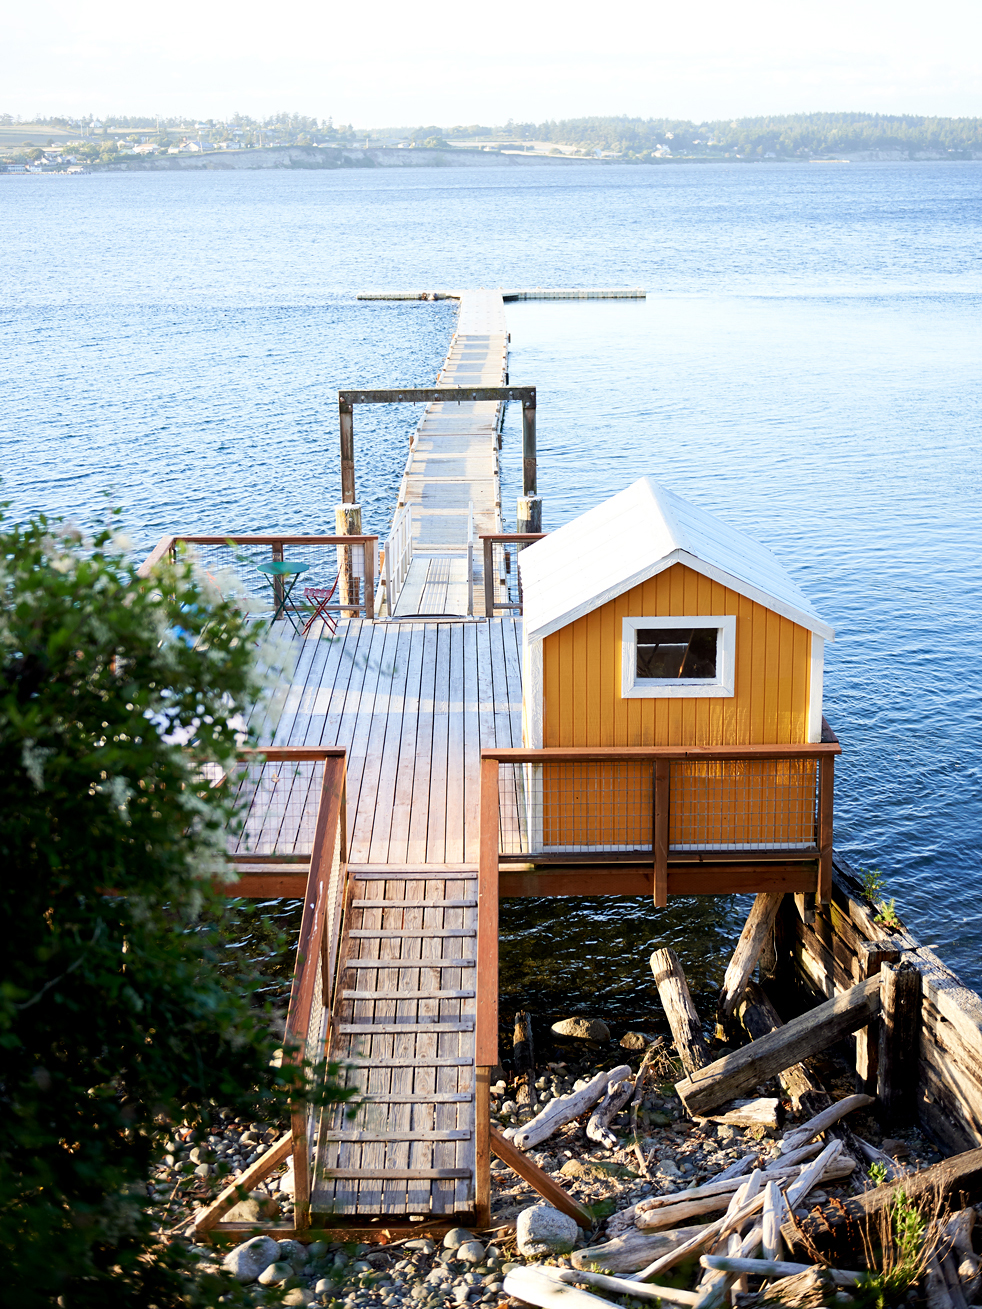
{"x": 344, "y": 157}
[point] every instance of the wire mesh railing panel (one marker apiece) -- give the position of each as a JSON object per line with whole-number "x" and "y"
{"x": 744, "y": 804}
{"x": 279, "y": 801}
{"x": 233, "y": 569}
{"x": 504, "y": 573}
{"x": 575, "y": 807}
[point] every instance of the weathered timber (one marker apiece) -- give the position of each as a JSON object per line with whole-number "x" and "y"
{"x": 759, "y": 1017}
{"x": 756, "y": 931}
{"x": 636, "y": 1099}
{"x": 347, "y": 522}
{"x": 707, "y": 1235}
{"x": 807, "y": 1290}
{"x": 822, "y": 1121}
{"x": 900, "y": 1033}
{"x": 673, "y": 991}
{"x": 874, "y": 1156}
{"x": 529, "y": 517}
{"x": 534, "y": 1285}
{"x": 538, "y": 1179}
{"x": 621, "y": 1285}
{"x": 768, "y": 1267}
{"x": 632, "y": 1250}
{"x": 803, "y": 1036}
{"x": 870, "y": 958}
{"x": 957, "y": 1180}
{"x": 598, "y": 1125}
{"x": 523, "y": 1057}
{"x": 770, "y": 1221}
{"x": 229, "y": 1196}
{"x": 565, "y": 1108}
{"x": 761, "y": 1112}
{"x": 958, "y": 1232}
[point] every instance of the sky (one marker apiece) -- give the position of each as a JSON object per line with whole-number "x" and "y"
{"x": 391, "y": 63}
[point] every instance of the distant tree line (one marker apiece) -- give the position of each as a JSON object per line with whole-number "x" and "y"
{"x": 782, "y": 137}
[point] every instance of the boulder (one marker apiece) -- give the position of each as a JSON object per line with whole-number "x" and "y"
{"x": 299, "y": 1295}
{"x": 294, "y": 1252}
{"x": 637, "y": 1040}
{"x": 258, "y": 1207}
{"x": 249, "y": 1259}
{"x": 582, "y": 1029}
{"x": 543, "y": 1230}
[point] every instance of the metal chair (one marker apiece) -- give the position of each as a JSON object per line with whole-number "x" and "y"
{"x": 320, "y": 599}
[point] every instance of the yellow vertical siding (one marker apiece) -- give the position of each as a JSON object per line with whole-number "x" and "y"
{"x": 581, "y": 674}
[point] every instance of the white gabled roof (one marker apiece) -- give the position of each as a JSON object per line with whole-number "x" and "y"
{"x": 633, "y": 536}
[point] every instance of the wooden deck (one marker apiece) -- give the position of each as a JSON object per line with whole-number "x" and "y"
{"x": 413, "y": 704}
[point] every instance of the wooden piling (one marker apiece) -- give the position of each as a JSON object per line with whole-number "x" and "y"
{"x": 900, "y": 1031}
{"x": 676, "y": 999}
{"x": 871, "y": 956}
{"x": 529, "y": 515}
{"x": 346, "y": 420}
{"x": 755, "y": 932}
{"x": 528, "y": 449}
{"x": 523, "y": 1057}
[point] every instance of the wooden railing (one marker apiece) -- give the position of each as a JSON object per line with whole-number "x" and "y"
{"x": 241, "y": 554}
{"x": 499, "y": 562}
{"x": 755, "y": 806}
{"x": 307, "y": 1023}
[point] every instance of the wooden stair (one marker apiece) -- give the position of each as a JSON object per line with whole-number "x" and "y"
{"x": 403, "y": 1022}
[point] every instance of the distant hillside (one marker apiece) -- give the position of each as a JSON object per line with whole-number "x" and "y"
{"x": 786, "y": 136}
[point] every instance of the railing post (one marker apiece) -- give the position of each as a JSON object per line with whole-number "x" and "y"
{"x": 347, "y": 522}
{"x": 278, "y": 582}
{"x": 346, "y": 417}
{"x": 488, "y": 578}
{"x": 528, "y": 448}
{"x": 301, "y": 1169}
{"x": 370, "y": 579}
{"x": 826, "y": 786}
{"x": 486, "y": 1034}
{"x": 660, "y": 801}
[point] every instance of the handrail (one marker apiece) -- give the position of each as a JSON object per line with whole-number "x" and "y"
{"x": 568, "y": 814}
{"x": 490, "y": 539}
{"x": 582, "y": 754}
{"x": 167, "y": 545}
{"x": 398, "y": 556}
{"x": 316, "y": 964}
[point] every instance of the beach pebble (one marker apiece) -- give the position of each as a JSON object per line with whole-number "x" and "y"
{"x": 456, "y": 1237}
{"x": 275, "y": 1273}
{"x": 582, "y": 1029}
{"x": 541, "y": 1229}
{"x": 249, "y": 1259}
{"x": 258, "y": 1206}
{"x": 294, "y": 1252}
{"x": 637, "y": 1040}
{"x": 298, "y": 1295}
{"x": 472, "y": 1252}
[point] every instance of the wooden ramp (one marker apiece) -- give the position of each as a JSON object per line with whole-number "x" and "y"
{"x": 451, "y": 478}
{"x": 404, "y": 1020}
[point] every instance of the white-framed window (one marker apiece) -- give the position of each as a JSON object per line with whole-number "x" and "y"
{"x": 664, "y": 658}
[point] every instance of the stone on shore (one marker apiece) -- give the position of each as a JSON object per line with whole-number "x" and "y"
{"x": 257, "y": 1207}
{"x": 543, "y": 1230}
{"x": 249, "y": 1259}
{"x": 637, "y": 1040}
{"x": 582, "y": 1029}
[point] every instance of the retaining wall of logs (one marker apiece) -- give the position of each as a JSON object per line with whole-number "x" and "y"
{"x": 833, "y": 947}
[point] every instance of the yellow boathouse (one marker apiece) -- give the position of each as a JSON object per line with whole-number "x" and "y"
{"x": 672, "y": 704}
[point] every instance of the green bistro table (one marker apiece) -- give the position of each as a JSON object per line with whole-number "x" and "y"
{"x": 282, "y": 575}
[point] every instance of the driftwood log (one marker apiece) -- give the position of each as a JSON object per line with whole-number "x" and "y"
{"x": 759, "y": 1018}
{"x": 761, "y": 1112}
{"x": 821, "y": 1122}
{"x": 807, "y": 1290}
{"x": 565, "y": 1108}
{"x": 631, "y": 1251}
{"x": 535, "y": 1285}
{"x": 771, "y": 1218}
{"x": 756, "y": 930}
{"x": 598, "y": 1125}
{"x": 676, "y": 1000}
{"x": 957, "y": 1180}
{"x": 523, "y": 1057}
{"x": 772, "y": 1268}
{"x": 639, "y": 1290}
{"x": 815, "y": 1030}
{"x": 668, "y": 1210}
{"x": 872, "y": 1155}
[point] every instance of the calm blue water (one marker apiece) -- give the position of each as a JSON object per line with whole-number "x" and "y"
{"x": 806, "y": 364}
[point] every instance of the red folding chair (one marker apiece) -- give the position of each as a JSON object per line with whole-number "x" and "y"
{"x": 320, "y": 599}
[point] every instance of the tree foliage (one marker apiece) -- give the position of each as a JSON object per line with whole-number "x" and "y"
{"x": 119, "y": 706}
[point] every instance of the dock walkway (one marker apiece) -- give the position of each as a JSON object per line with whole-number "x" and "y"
{"x": 451, "y": 484}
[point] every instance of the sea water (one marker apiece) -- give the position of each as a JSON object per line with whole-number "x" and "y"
{"x": 806, "y": 364}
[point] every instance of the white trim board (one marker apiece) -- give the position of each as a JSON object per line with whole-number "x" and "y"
{"x": 714, "y": 573}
